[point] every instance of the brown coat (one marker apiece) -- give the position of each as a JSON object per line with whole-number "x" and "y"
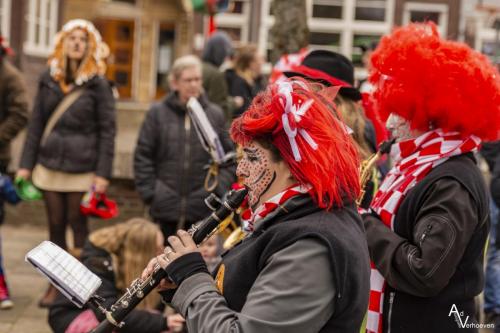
{"x": 13, "y": 107}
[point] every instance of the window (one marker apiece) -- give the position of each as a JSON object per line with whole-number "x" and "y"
{"x": 42, "y": 25}
{"x": 235, "y": 21}
{"x": 5, "y": 18}
{"x": 420, "y": 12}
{"x": 165, "y": 55}
{"x": 331, "y": 9}
{"x": 422, "y": 16}
{"x": 236, "y": 7}
{"x": 338, "y": 25}
{"x": 324, "y": 40}
{"x": 370, "y": 10}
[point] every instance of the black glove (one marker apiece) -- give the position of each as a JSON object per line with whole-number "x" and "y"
{"x": 186, "y": 266}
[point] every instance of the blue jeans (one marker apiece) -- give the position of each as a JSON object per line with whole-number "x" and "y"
{"x": 492, "y": 285}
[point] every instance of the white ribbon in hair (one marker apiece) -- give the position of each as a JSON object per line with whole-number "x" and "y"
{"x": 285, "y": 89}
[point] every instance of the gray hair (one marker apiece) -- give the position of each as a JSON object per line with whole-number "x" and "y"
{"x": 183, "y": 63}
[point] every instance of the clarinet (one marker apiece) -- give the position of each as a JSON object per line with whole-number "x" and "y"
{"x": 140, "y": 288}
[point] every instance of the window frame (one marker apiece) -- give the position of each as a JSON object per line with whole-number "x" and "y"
{"x": 234, "y": 21}
{"x": 5, "y": 18}
{"x": 46, "y": 23}
{"x": 441, "y": 8}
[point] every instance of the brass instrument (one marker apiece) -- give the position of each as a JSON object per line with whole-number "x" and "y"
{"x": 366, "y": 169}
{"x": 235, "y": 237}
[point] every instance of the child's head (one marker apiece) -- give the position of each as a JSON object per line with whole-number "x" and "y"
{"x": 210, "y": 248}
{"x": 131, "y": 245}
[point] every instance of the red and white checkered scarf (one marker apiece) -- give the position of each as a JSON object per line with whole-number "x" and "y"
{"x": 250, "y": 219}
{"x": 413, "y": 160}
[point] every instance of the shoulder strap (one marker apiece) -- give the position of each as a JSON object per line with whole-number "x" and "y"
{"x": 66, "y": 102}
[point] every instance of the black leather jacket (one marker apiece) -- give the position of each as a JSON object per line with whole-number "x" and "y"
{"x": 434, "y": 257}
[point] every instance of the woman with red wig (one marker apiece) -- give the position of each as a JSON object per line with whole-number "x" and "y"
{"x": 429, "y": 221}
{"x": 303, "y": 266}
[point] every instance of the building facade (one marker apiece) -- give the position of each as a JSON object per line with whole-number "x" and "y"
{"x": 144, "y": 37}
{"x": 341, "y": 25}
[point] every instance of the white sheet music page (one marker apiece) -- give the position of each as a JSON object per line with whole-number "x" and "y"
{"x": 64, "y": 271}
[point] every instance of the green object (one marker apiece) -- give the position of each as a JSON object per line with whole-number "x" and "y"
{"x": 198, "y": 5}
{"x": 26, "y": 190}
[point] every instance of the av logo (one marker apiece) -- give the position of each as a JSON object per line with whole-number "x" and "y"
{"x": 458, "y": 316}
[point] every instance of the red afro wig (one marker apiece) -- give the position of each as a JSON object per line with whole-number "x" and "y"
{"x": 434, "y": 82}
{"x": 330, "y": 165}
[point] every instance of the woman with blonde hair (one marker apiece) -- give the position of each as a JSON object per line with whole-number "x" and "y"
{"x": 117, "y": 254}
{"x": 70, "y": 141}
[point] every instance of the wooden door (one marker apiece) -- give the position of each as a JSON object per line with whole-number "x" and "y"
{"x": 119, "y": 35}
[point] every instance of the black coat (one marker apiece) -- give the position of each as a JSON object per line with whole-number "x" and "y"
{"x": 82, "y": 139}
{"x": 491, "y": 153}
{"x": 13, "y": 107}
{"x": 170, "y": 163}
{"x": 238, "y": 86}
{"x": 434, "y": 258}
{"x": 63, "y": 312}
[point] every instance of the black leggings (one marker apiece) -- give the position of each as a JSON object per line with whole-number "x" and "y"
{"x": 63, "y": 208}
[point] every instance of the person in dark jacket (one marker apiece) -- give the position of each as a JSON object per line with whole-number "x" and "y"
{"x": 491, "y": 306}
{"x": 13, "y": 118}
{"x": 117, "y": 255}
{"x": 429, "y": 221}
{"x": 244, "y": 80}
{"x": 170, "y": 163}
{"x": 216, "y": 51}
{"x": 303, "y": 265}
{"x": 76, "y": 155}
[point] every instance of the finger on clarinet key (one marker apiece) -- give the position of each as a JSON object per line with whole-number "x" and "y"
{"x": 163, "y": 260}
{"x": 186, "y": 239}
{"x": 149, "y": 268}
{"x": 175, "y": 243}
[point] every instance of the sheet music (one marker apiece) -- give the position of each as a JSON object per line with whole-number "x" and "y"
{"x": 205, "y": 131}
{"x": 64, "y": 271}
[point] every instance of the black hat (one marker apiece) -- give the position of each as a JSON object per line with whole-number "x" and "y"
{"x": 329, "y": 68}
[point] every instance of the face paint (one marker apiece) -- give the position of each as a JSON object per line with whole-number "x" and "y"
{"x": 399, "y": 128}
{"x": 256, "y": 170}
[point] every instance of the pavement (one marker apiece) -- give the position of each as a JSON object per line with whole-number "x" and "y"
{"x": 25, "y": 283}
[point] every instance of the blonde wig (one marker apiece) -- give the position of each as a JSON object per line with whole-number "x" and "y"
{"x": 131, "y": 245}
{"x": 91, "y": 65}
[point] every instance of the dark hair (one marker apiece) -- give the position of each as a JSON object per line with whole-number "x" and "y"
{"x": 266, "y": 143}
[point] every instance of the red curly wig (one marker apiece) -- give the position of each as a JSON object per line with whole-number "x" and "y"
{"x": 436, "y": 83}
{"x": 331, "y": 168}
